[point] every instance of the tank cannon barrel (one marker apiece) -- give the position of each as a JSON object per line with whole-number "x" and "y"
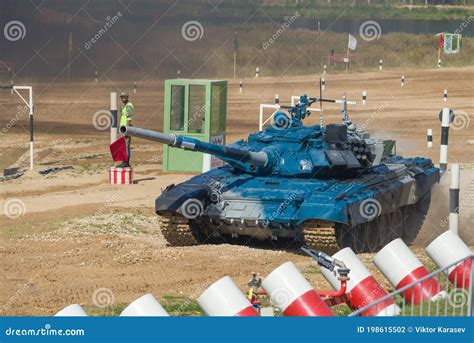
{"x": 228, "y": 154}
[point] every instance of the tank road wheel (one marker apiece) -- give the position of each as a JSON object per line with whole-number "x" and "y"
{"x": 359, "y": 235}
{"x": 178, "y": 232}
{"x": 397, "y": 223}
{"x": 415, "y": 216}
{"x": 372, "y": 236}
{"x": 383, "y": 226}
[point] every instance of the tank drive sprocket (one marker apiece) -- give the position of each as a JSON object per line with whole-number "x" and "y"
{"x": 177, "y": 231}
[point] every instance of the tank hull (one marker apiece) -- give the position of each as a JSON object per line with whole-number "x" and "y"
{"x": 336, "y": 212}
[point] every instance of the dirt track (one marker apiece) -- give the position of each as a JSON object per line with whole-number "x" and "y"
{"x": 77, "y": 234}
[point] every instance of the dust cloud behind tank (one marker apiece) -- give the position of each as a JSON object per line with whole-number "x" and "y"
{"x": 327, "y": 187}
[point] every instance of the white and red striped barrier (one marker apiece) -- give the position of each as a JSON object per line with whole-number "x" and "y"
{"x": 292, "y": 293}
{"x": 121, "y": 176}
{"x": 74, "y": 310}
{"x": 145, "y": 306}
{"x": 224, "y": 298}
{"x": 401, "y": 267}
{"x": 362, "y": 288}
{"x": 448, "y": 248}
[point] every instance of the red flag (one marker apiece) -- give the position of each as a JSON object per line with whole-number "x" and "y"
{"x": 118, "y": 149}
{"x": 441, "y": 41}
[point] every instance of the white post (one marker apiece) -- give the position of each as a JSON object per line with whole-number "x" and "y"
{"x": 257, "y": 72}
{"x": 11, "y": 83}
{"x": 323, "y": 84}
{"x": 403, "y": 81}
{"x": 445, "y": 95}
{"x": 96, "y": 74}
{"x": 443, "y": 152}
{"x": 429, "y": 138}
{"x": 277, "y": 99}
{"x": 241, "y": 86}
{"x": 380, "y": 65}
{"x": 30, "y": 105}
{"x": 178, "y": 73}
{"x": 364, "y": 97}
{"x": 113, "y": 112}
{"x": 454, "y": 198}
{"x": 260, "y": 124}
{"x": 135, "y": 87}
{"x": 325, "y": 67}
{"x": 439, "y": 62}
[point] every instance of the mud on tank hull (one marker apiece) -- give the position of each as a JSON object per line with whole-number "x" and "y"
{"x": 383, "y": 203}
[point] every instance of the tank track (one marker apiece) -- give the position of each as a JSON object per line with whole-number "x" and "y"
{"x": 321, "y": 238}
{"x": 177, "y": 231}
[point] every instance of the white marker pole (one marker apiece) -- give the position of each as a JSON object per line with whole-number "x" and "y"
{"x": 178, "y": 73}
{"x": 439, "y": 62}
{"x": 135, "y": 87}
{"x": 96, "y": 75}
{"x": 277, "y": 99}
{"x": 325, "y": 67}
{"x": 443, "y": 152}
{"x": 30, "y": 105}
{"x": 241, "y": 86}
{"x": 445, "y": 95}
{"x": 113, "y": 112}
{"x": 429, "y": 138}
{"x": 454, "y": 198}
{"x": 364, "y": 97}
{"x": 257, "y": 72}
{"x": 403, "y": 81}
{"x": 323, "y": 84}
{"x": 380, "y": 65}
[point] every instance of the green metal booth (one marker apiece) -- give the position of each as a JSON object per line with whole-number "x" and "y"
{"x": 197, "y": 109}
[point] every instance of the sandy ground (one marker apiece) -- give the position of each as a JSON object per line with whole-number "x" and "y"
{"x": 67, "y": 235}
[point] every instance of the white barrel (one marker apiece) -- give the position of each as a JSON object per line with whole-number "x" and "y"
{"x": 289, "y": 290}
{"x": 362, "y": 286}
{"x": 145, "y": 306}
{"x": 74, "y": 310}
{"x": 401, "y": 267}
{"x": 224, "y": 298}
{"x": 448, "y": 248}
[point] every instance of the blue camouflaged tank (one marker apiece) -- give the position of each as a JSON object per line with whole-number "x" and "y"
{"x": 327, "y": 187}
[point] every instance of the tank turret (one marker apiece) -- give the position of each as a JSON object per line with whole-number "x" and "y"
{"x": 287, "y": 148}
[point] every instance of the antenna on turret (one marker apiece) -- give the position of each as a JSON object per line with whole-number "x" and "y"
{"x": 321, "y": 119}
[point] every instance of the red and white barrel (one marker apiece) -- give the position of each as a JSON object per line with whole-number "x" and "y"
{"x": 401, "y": 267}
{"x": 224, "y": 298}
{"x": 74, "y": 310}
{"x": 448, "y": 248}
{"x": 145, "y": 306}
{"x": 289, "y": 290}
{"x": 362, "y": 288}
{"x": 121, "y": 176}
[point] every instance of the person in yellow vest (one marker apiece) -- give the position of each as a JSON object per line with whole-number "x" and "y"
{"x": 127, "y": 111}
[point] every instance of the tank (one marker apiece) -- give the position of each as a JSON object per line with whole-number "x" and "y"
{"x": 327, "y": 187}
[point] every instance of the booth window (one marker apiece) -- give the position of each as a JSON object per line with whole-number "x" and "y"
{"x": 177, "y": 108}
{"x": 218, "y": 108}
{"x": 197, "y": 108}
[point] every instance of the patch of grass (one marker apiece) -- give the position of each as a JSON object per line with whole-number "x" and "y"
{"x": 113, "y": 310}
{"x": 181, "y": 306}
